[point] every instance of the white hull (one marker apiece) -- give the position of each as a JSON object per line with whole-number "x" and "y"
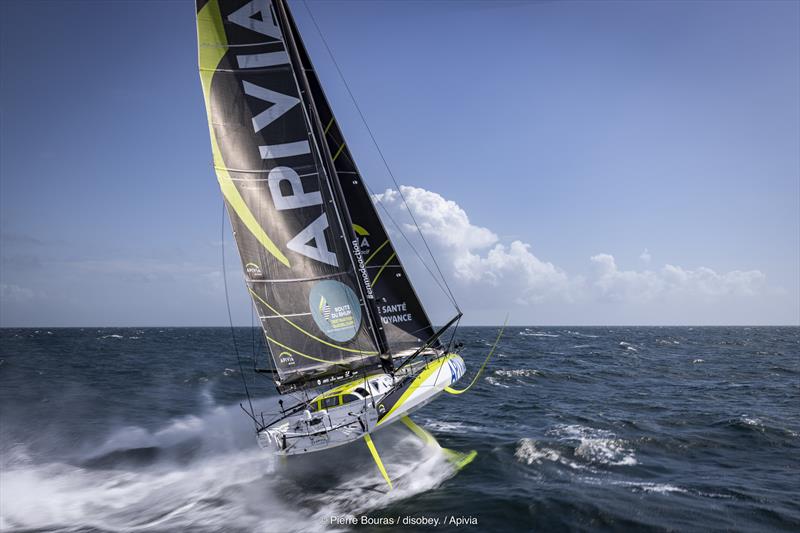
{"x": 356, "y": 409}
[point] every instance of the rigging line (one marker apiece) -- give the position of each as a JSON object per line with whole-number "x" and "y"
{"x": 375, "y": 142}
{"x": 230, "y": 317}
{"x": 377, "y": 200}
{"x": 413, "y": 248}
{"x": 483, "y": 366}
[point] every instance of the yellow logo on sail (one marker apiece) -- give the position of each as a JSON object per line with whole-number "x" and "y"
{"x": 324, "y": 308}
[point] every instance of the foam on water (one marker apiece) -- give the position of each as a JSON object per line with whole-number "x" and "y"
{"x": 225, "y": 482}
{"x": 518, "y": 372}
{"x": 529, "y": 452}
{"x": 105, "y": 434}
{"x": 496, "y": 382}
{"x": 596, "y": 445}
{"x": 449, "y": 427}
{"x": 584, "y": 335}
{"x": 529, "y": 333}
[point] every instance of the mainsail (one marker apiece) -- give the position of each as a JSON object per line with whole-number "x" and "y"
{"x": 290, "y": 186}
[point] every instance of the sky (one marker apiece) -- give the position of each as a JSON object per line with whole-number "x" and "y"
{"x": 571, "y": 163}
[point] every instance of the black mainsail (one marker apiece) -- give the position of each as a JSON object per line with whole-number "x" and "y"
{"x": 331, "y": 295}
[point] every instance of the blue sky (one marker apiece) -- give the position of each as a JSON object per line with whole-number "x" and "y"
{"x": 571, "y": 162}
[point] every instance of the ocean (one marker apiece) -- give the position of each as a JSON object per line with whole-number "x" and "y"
{"x": 576, "y": 429}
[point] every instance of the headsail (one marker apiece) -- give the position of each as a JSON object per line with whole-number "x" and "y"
{"x": 285, "y": 214}
{"x": 403, "y": 317}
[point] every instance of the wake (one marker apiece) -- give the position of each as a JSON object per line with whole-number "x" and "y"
{"x": 206, "y": 473}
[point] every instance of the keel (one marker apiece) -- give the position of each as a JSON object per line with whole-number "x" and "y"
{"x": 377, "y": 458}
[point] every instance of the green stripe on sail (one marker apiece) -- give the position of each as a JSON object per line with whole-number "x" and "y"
{"x": 211, "y": 48}
{"x": 301, "y": 330}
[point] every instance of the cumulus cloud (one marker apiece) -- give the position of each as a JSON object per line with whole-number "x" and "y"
{"x": 671, "y": 280}
{"x": 14, "y": 293}
{"x": 474, "y": 254}
{"x": 476, "y": 258}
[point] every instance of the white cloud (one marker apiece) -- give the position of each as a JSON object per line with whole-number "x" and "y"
{"x": 473, "y": 253}
{"x": 14, "y": 293}
{"x": 476, "y": 258}
{"x": 646, "y": 285}
{"x": 645, "y": 256}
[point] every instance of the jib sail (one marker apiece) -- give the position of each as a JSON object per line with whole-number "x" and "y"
{"x": 402, "y": 315}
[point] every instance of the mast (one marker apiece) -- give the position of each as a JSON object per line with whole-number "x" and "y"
{"x": 345, "y": 220}
{"x": 405, "y": 322}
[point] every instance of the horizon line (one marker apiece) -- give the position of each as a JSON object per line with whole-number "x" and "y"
{"x": 462, "y": 326}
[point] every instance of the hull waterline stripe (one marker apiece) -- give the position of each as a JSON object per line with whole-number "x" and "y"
{"x": 310, "y": 335}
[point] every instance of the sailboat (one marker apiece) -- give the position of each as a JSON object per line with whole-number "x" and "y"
{"x": 348, "y": 335}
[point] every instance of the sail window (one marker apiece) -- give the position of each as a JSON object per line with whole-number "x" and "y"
{"x": 362, "y": 391}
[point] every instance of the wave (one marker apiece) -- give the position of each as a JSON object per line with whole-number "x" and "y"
{"x": 596, "y": 445}
{"x": 669, "y": 342}
{"x": 449, "y": 427}
{"x": 518, "y": 372}
{"x": 530, "y": 452}
{"x": 528, "y": 333}
{"x": 206, "y": 473}
{"x": 496, "y": 382}
{"x": 584, "y": 335}
{"x": 639, "y": 486}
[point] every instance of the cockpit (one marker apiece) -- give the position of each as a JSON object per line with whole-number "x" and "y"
{"x": 375, "y": 386}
